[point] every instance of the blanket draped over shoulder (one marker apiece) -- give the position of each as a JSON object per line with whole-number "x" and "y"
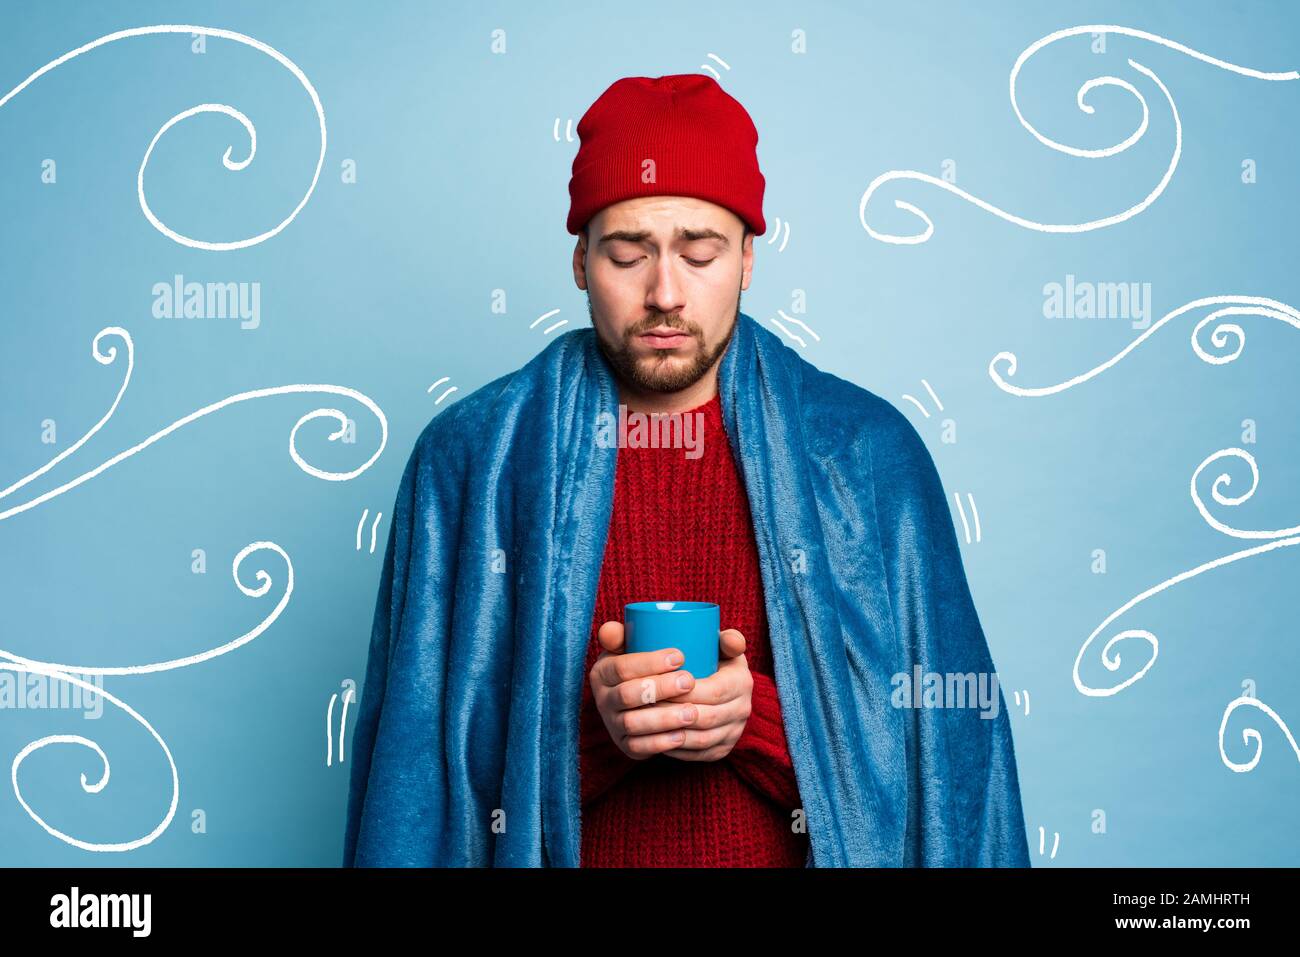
{"x": 465, "y": 749}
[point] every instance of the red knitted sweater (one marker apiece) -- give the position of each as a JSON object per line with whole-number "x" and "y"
{"x": 661, "y": 811}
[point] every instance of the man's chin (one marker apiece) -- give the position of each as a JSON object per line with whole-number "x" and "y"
{"x": 656, "y": 370}
{"x": 664, "y": 372}
{"x": 663, "y": 359}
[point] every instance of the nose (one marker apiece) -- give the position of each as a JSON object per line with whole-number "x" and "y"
{"x": 665, "y": 293}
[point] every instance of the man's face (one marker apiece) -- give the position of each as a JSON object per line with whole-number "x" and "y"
{"x": 663, "y": 276}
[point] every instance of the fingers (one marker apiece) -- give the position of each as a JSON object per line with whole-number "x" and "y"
{"x": 670, "y": 715}
{"x": 619, "y": 668}
{"x": 710, "y": 754}
{"x": 713, "y": 724}
{"x": 731, "y": 681}
{"x": 713, "y": 732}
{"x": 643, "y": 746}
{"x": 649, "y": 712}
{"x": 714, "y": 728}
{"x": 657, "y": 718}
{"x": 637, "y": 692}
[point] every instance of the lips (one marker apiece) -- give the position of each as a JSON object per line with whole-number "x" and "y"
{"x": 664, "y": 339}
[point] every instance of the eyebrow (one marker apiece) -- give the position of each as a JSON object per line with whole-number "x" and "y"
{"x": 640, "y": 236}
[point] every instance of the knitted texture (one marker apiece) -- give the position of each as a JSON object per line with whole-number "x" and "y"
{"x": 662, "y": 811}
{"x": 679, "y": 135}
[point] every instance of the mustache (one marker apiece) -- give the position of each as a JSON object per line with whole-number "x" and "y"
{"x": 647, "y": 325}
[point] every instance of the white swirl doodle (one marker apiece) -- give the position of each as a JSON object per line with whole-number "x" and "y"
{"x": 62, "y": 672}
{"x": 1281, "y": 538}
{"x": 111, "y": 355}
{"x": 194, "y": 111}
{"x": 1249, "y": 734}
{"x": 1224, "y": 480}
{"x": 1081, "y": 99}
{"x": 1232, "y": 306}
{"x": 86, "y": 742}
{"x": 174, "y": 663}
{"x": 65, "y": 672}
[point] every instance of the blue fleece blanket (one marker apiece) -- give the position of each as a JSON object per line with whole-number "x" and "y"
{"x": 465, "y": 749}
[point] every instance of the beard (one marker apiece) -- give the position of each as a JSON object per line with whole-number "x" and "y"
{"x": 663, "y": 371}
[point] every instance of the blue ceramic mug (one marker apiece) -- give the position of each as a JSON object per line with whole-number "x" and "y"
{"x": 691, "y": 626}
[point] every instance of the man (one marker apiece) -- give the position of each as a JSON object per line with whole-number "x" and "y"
{"x": 501, "y": 721}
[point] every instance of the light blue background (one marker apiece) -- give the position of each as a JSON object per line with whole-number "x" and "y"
{"x": 386, "y": 285}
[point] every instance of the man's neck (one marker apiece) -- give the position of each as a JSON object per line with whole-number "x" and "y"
{"x": 691, "y": 397}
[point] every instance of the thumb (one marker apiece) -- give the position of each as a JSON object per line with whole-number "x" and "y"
{"x": 731, "y": 643}
{"x": 611, "y": 636}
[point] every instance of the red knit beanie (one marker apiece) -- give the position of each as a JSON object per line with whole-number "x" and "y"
{"x": 680, "y": 135}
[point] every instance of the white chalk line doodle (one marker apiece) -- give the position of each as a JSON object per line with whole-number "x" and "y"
{"x": 551, "y": 328}
{"x": 798, "y": 322}
{"x": 716, "y": 59}
{"x": 783, "y": 231}
{"x": 1081, "y": 99}
{"x": 1282, "y": 538}
{"x": 373, "y": 529}
{"x": 962, "y": 512}
{"x": 797, "y": 338}
{"x": 111, "y": 355}
{"x": 343, "y": 722}
{"x": 329, "y": 727}
{"x": 975, "y": 516}
{"x": 1233, "y": 305}
{"x": 568, "y": 130}
{"x": 429, "y": 391}
{"x": 934, "y": 395}
{"x": 1042, "y": 842}
{"x": 65, "y": 672}
{"x": 220, "y": 108}
{"x": 1249, "y": 734}
{"x": 329, "y": 730}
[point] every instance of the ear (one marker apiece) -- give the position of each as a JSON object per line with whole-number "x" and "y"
{"x": 746, "y": 259}
{"x": 580, "y": 262}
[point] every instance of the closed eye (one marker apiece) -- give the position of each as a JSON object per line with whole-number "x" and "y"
{"x": 698, "y": 263}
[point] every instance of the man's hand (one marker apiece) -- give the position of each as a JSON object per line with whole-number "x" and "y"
{"x": 628, "y": 690}
{"x": 643, "y": 707}
{"x": 723, "y": 700}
